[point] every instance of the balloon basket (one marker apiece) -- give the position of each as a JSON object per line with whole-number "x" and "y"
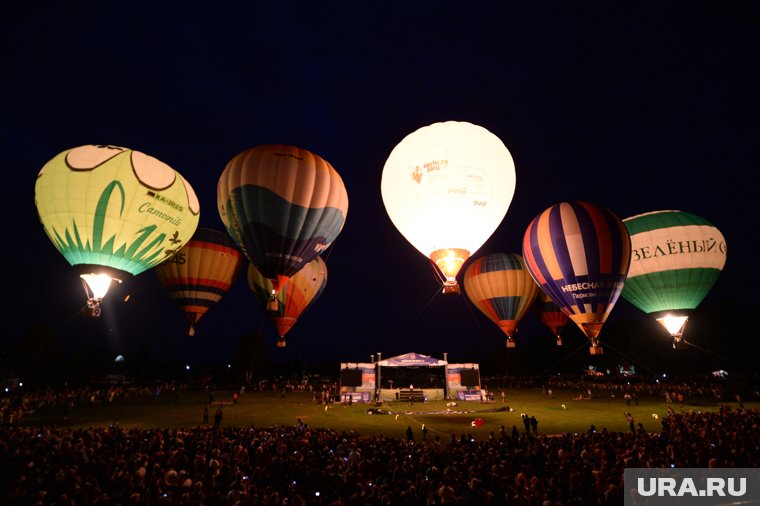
{"x": 91, "y": 311}
{"x": 596, "y": 350}
{"x": 451, "y": 289}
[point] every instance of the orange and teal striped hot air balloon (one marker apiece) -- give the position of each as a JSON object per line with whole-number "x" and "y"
{"x": 579, "y": 253}
{"x": 676, "y": 258}
{"x": 295, "y": 297}
{"x": 283, "y": 206}
{"x": 502, "y": 289}
{"x": 200, "y": 273}
{"x": 550, "y": 315}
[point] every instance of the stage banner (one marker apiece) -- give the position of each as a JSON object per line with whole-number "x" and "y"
{"x": 365, "y": 372}
{"x": 458, "y": 372}
{"x": 355, "y": 397}
{"x": 368, "y": 376}
{"x": 468, "y": 395}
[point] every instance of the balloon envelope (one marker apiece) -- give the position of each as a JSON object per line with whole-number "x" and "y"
{"x": 446, "y": 188}
{"x": 282, "y": 206}
{"x": 579, "y": 253}
{"x": 295, "y": 296}
{"x": 200, "y": 273}
{"x": 500, "y": 286}
{"x": 550, "y": 314}
{"x": 676, "y": 258}
{"x": 114, "y": 207}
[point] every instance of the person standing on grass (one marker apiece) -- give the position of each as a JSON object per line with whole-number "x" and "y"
{"x": 218, "y": 417}
{"x": 631, "y": 422}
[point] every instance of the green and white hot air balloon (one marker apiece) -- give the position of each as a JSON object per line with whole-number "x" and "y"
{"x": 113, "y": 213}
{"x": 676, "y": 258}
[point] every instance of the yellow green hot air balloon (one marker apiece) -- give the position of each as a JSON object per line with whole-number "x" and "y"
{"x": 676, "y": 258}
{"x": 113, "y": 212}
{"x": 294, "y": 297}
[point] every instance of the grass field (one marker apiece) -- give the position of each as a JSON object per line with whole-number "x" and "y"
{"x": 267, "y": 409}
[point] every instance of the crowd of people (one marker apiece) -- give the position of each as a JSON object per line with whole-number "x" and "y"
{"x": 21, "y": 402}
{"x": 299, "y": 465}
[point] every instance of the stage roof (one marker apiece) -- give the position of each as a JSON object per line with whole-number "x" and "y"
{"x": 412, "y": 360}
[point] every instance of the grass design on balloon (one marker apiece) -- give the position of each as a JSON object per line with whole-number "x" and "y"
{"x": 132, "y": 258}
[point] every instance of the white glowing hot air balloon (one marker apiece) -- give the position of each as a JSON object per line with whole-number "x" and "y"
{"x": 446, "y": 188}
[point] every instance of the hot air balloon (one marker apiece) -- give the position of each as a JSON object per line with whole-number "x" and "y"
{"x": 283, "y": 206}
{"x": 579, "y": 253}
{"x": 294, "y": 297}
{"x": 198, "y": 275}
{"x": 676, "y": 258}
{"x": 446, "y": 188}
{"x": 502, "y": 289}
{"x": 113, "y": 212}
{"x": 551, "y": 315}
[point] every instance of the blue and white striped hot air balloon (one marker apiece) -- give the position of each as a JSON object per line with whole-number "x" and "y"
{"x": 579, "y": 253}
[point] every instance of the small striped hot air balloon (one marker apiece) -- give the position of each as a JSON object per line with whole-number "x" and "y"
{"x": 294, "y": 297}
{"x": 550, "y": 315}
{"x": 500, "y": 286}
{"x": 676, "y": 258}
{"x": 282, "y": 206}
{"x": 579, "y": 253}
{"x": 200, "y": 273}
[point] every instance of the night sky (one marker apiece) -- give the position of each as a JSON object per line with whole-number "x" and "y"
{"x": 636, "y": 107}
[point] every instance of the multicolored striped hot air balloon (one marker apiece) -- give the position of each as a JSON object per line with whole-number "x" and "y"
{"x": 579, "y": 253}
{"x": 199, "y": 274}
{"x": 447, "y": 187}
{"x": 297, "y": 295}
{"x": 550, "y": 315}
{"x": 502, "y": 289}
{"x": 676, "y": 258}
{"x": 113, "y": 213}
{"x": 283, "y": 206}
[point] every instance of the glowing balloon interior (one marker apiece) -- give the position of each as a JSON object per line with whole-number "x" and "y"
{"x": 447, "y": 187}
